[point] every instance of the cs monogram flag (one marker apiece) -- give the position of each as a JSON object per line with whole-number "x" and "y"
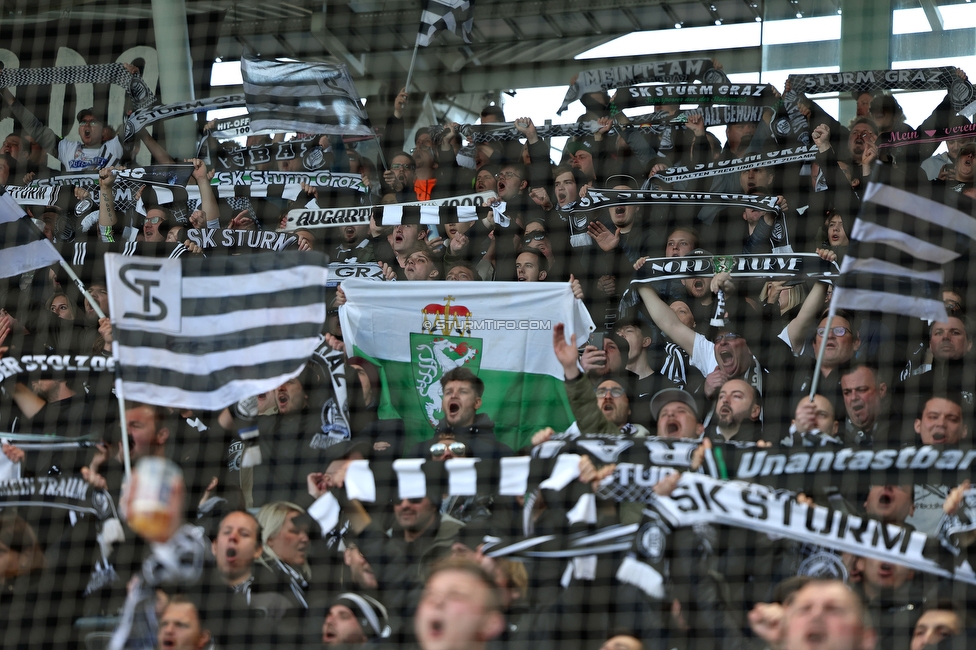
{"x": 203, "y": 333}
{"x": 501, "y": 331}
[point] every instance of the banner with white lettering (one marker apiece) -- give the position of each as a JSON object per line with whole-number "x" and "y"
{"x": 811, "y": 468}
{"x": 310, "y": 217}
{"x": 703, "y": 93}
{"x": 598, "y": 199}
{"x": 232, "y": 127}
{"x": 339, "y": 272}
{"x": 307, "y": 152}
{"x": 141, "y": 118}
{"x": 742, "y": 266}
{"x": 64, "y": 492}
{"x": 591, "y": 81}
{"x": 961, "y": 92}
{"x": 49, "y": 366}
{"x": 700, "y": 499}
{"x": 207, "y": 239}
{"x": 736, "y": 165}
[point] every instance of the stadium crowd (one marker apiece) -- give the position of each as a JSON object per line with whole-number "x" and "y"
{"x": 277, "y": 553}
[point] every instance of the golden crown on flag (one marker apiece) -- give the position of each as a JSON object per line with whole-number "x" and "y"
{"x": 447, "y": 319}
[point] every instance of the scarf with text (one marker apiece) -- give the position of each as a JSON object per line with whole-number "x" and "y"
{"x": 736, "y": 165}
{"x": 961, "y": 92}
{"x": 926, "y": 136}
{"x": 836, "y": 465}
{"x": 106, "y": 73}
{"x": 312, "y": 156}
{"x": 339, "y": 271}
{"x": 698, "y": 499}
{"x": 64, "y": 492}
{"x": 207, "y": 238}
{"x": 597, "y": 199}
{"x": 740, "y": 266}
{"x": 681, "y": 71}
{"x": 314, "y": 217}
{"x": 701, "y": 499}
{"x": 232, "y": 127}
{"x": 704, "y": 93}
{"x": 143, "y": 117}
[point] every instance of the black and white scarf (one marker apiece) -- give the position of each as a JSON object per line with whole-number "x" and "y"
{"x": 926, "y": 136}
{"x": 741, "y": 266}
{"x": 106, "y": 73}
{"x": 703, "y": 93}
{"x": 680, "y": 71}
{"x": 597, "y": 199}
{"x": 736, "y": 165}
{"x": 144, "y": 116}
{"x": 961, "y": 92}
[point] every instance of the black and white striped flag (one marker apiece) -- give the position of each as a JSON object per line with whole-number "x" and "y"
{"x": 307, "y": 97}
{"x": 430, "y": 215}
{"x": 445, "y": 14}
{"x": 899, "y": 244}
{"x": 24, "y": 248}
{"x": 203, "y": 333}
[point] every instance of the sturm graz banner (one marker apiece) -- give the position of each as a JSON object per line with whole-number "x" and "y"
{"x": 749, "y": 266}
{"x": 257, "y": 177}
{"x": 140, "y": 119}
{"x": 736, "y": 165}
{"x": 207, "y": 239}
{"x": 700, "y": 499}
{"x": 704, "y": 93}
{"x": 590, "y": 81}
{"x": 961, "y": 92}
{"x": 597, "y": 199}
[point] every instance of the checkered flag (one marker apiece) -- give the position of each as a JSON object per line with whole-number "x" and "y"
{"x": 445, "y": 15}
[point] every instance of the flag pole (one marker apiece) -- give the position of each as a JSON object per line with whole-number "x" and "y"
{"x": 413, "y": 60}
{"x": 126, "y": 454}
{"x": 81, "y": 286}
{"x": 831, "y": 312}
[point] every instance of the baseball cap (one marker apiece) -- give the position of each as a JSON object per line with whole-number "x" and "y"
{"x": 668, "y": 395}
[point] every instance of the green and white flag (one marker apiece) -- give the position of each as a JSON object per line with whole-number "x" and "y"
{"x": 501, "y": 331}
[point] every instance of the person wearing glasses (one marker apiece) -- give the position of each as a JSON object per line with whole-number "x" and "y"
{"x": 603, "y": 409}
{"x": 400, "y": 177}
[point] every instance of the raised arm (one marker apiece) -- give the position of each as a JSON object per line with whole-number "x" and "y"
{"x": 666, "y": 319}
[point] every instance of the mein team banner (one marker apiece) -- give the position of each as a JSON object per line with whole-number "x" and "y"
{"x": 590, "y": 81}
{"x": 417, "y": 332}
